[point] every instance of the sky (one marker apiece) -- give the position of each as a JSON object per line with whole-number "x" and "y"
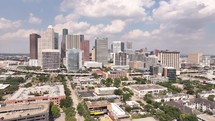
{"x": 187, "y": 26}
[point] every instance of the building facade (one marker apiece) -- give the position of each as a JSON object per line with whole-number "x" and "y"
{"x": 169, "y": 59}
{"x": 63, "y": 43}
{"x": 120, "y": 59}
{"x": 101, "y": 50}
{"x": 73, "y": 60}
{"x": 74, "y": 41}
{"x": 117, "y": 46}
{"x": 50, "y": 59}
{"x": 85, "y": 46}
{"x": 34, "y": 46}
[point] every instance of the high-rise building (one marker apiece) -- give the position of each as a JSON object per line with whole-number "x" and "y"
{"x": 85, "y": 46}
{"x": 206, "y": 61}
{"x": 120, "y": 59}
{"x": 73, "y": 60}
{"x": 48, "y": 40}
{"x": 169, "y": 59}
{"x": 34, "y": 46}
{"x": 63, "y": 43}
{"x": 50, "y": 59}
{"x": 117, "y": 46}
{"x": 194, "y": 58}
{"x": 93, "y": 55}
{"x": 129, "y": 45}
{"x": 101, "y": 50}
{"x": 73, "y": 41}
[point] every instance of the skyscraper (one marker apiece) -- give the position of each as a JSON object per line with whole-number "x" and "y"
{"x": 73, "y": 41}
{"x": 34, "y": 46}
{"x": 63, "y": 43}
{"x": 169, "y": 59}
{"x": 48, "y": 40}
{"x": 101, "y": 50}
{"x": 117, "y": 46}
{"x": 85, "y": 45}
{"x": 73, "y": 60}
{"x": 50, "y": 59}
{"x": 120, "y": 59}
{"x": 129, "y": 45}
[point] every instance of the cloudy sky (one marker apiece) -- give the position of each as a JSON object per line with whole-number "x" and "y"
{"x": 183, "y": 25}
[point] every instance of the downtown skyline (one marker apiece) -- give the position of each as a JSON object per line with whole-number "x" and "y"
{"x": 186, "y": 25}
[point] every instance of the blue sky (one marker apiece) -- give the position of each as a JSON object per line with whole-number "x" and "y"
{"x": 183, "y": 25}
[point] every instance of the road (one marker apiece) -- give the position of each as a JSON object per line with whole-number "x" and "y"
{"x": 75, "y": 100}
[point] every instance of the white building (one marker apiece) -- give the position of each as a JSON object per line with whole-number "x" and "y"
{"x": 105, "y": 90}
{"x": 172, "y": 97}
{"x": 33, "y": 62}
{"x": 48, "y": 40}
{"x": 205, "y": 94}
{"x": 3, "y": 86}
{"x": 117, "y": 113}
{"x": 117, "y": 46}
{"x": 92, "y": 64}
{"x": 142, "y": 89}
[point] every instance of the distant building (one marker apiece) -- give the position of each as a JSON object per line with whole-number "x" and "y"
{"x": 120, "y": 59}
{"x": 48, "y": 40}
{"x": 129, "y": 46}
{"x": 142, "y": 89}
{"x": 136, "y": 64}
{"x": 33, "y": 49}
{"x": 73, "y": 60}
{"x": 172, "y": 97}
{"x": 37, "y": 94}
{"x": 169, "y": 59}
{"x": 115, "y": 74}
{"x": 170, "y": 73}
{"x": 194, "y": 58}
{"x": 85, "y": 46}
{"x": 63, "y": 43}
{"x": 105, "y": 90}
{"x": 93, "y": 55}
{"x": 74, "y": 41}
{"x": 101, "y": 50}
{"x": 117, "y": 46}
{"x": 92, "y": 64}
{"x": 50, "y": 59}
{"x": 25, "y": 112}
{"x": 206, "y": 61}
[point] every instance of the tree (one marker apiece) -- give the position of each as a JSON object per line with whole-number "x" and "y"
{"x": 108, "y": 82}
{"x": 188, "y": 117}
{"x": 117, "y": 82}
{"x": 55, "y": 111}
{"x": 67, "y": 102}
{"x": 80, "y": 109}
{"x": 211, "y": 97}
{"x": 118, "y": 92}
{"x": 28, "y": 85}
{"x": 125, "y": 97}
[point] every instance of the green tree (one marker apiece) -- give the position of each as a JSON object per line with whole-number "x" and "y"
{"x": 67, "y": 102}
{"x": 55, "y": 111}
{"x": 126, "y": 97}
{"x": 118, "y": 92}
{"x": 108, "y": 82}
{"x": 211, "y": 97}
{"x": 28, "y": 85}
{"x": 188, "y": 117}
{"x": 117, "y": 82}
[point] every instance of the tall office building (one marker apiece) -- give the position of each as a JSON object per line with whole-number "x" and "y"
{"x": 93, "y": 55}
{"x": 48, "y": 40}
{"x": 129, "y": 45}
{"x": 34, "y": 49}
{"x": 169, "y": 59}
{"x": 85, "y": 46}
{"x": 117, "y": 46}
{"x": 63, "y": 43}
{"x": 74, "y": 41}
{"x": 194, "y": 58}
{"x": 50, "y": 59}
{"x": 73, "y": 60}
{"x": 34, "y": 46}
{"x": 101, "y": 50}
{"x": 120, "y": 59}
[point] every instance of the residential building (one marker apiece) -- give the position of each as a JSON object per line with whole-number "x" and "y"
{"x": 46, "y": 93}
{"x": 48, "y": 40}
{"x": 25, "y": 112}
{"x": 142, "y": 89}
{"x": 73, "y": 60}
{"x": 169, "y": 59}
{"x": 117, "y": 46}
{"x": 101, "y": 50}
{"x": 85, "y": 46}
{"x": 194, "y": 58}
{"x": 50, "y": 59}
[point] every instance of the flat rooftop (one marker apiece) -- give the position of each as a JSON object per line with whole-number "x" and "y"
{"x": 14, "y": 111}
{"x": 97, "y": 104}
{"x": 45, "y": 91}
{"x": 206, "y": 117}
{"x": 3, "y": 86}
{"x": 146, "y": 87}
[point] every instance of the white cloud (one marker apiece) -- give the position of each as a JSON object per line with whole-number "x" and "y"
{"x": 8, "y": 24}
{"x": 34, "y": 20}
{"x": 116, "y": 9}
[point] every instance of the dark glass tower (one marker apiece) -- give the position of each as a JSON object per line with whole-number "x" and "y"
{"x": 34, "y": 46}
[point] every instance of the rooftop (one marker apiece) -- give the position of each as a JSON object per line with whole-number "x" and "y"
{"x": 13, "y": 111}
{"x": 206, "y": 117}
{"x": 51, "y": 91}
{"x": 97, "y": 104}
{"x": 146, "y": 87}
{"x": 3, "y": 86}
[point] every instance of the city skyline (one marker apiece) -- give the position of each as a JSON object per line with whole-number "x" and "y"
{"x": 185, "y": 26}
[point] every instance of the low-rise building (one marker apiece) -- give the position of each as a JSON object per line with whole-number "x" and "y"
{"x": 132, "y": 104}
{"x": 46, "y": 93}
{"x": 92, "y": 64}
{"x": 105, "y": 90}
{"x": 205, "y": 117}
{"x": 205, "y": 94}
{"x": 204, "y": 104}
{"x": 97, "y": 108}
{"x": 116, "y": 113}
{"x": 25, "y": 112}
{"x": 171, "y": 97}
{"x": 3, "y": 86}
{"x": 142, "y": 89}
{"x": 115, "y": 74}
{"x": 83, "y": 82}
